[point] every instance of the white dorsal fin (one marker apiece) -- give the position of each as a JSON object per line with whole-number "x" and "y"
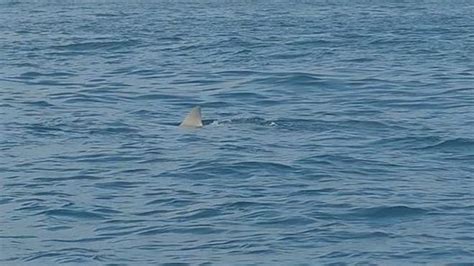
{"x": 193, "y": 119}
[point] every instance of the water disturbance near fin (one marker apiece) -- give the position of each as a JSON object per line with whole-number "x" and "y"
{"x": 193, "y": 119}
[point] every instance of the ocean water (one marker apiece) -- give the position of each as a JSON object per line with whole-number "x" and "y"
{"x": 336, "y": 132}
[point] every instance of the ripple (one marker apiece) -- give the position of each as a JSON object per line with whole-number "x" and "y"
{"x": 66, "y": 213}
{"x": 95, "y": 45}
{"x": 453, "y": 145}
{"x": 390, "y": 212}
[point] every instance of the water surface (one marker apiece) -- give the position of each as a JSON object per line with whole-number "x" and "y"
{"x": 337, "y": 132}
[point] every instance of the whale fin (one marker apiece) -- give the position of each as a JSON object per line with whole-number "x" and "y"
{"x": 193, "y": 119}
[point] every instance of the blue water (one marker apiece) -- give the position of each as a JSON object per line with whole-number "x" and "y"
{"x": 336, "y": 132}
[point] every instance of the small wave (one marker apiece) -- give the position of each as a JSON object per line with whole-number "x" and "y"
{"x": 322, "y": 41}
{"x": 46, "y": 82}
{"x": 178, "y": 203}
{"x": 73, "y": 214}
{"x": 236, "y": 42}
{"x": 360, "y": 60}
{"x": 190, "y": 229}
{"x": 313, "y": 192}
{"x": 368, "y": 124}
{"x": 258, "y": 121}
{"x": 406, "y": 142}
{"x": 44, "y": 130}
{"x": 240, "y": 95}
{"x": 238, "y": 73}
{"x": 80, "y": 240}
{"x": 66, "y": 178}
{"x": 458, "y": 91}
{"x": 39, "y": 103}
{"x": 82, "y": 98}
{"x": 200, "y": 214}
{"x": 108, "y": 14}
{"x": 390, "y": 212}
{"x": 114, "y": 130}
{"x": 291, "y": 79}
{"x": 118, "y": 185}
{"x": 163, "y": 97}
{"x": 76, "y": 255}
{"x": 249, "y": 205}
{"x": 97, "y": 45}
{"x": 33, "y": 74}
{"x": 289, "y": 55}
{"x": 213, "y": 123}
{"x": 452, "y": 145}
{"x": 179, "y": 264}
{"x": 17, "y": 236}
{"x": 268, "y": 166}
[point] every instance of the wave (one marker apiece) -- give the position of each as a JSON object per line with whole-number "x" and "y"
{"x": 72, "y": 214}
{"x": 453, "y": 145}
{"x": 389, "y": 212}
{"x": 94, "y": 46}
{"x": 291, "y": 79}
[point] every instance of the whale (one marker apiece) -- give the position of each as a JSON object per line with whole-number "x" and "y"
{"x": 193, "y": 119}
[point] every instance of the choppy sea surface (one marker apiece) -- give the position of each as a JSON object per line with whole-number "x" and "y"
{"x": 335, "y": 132}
